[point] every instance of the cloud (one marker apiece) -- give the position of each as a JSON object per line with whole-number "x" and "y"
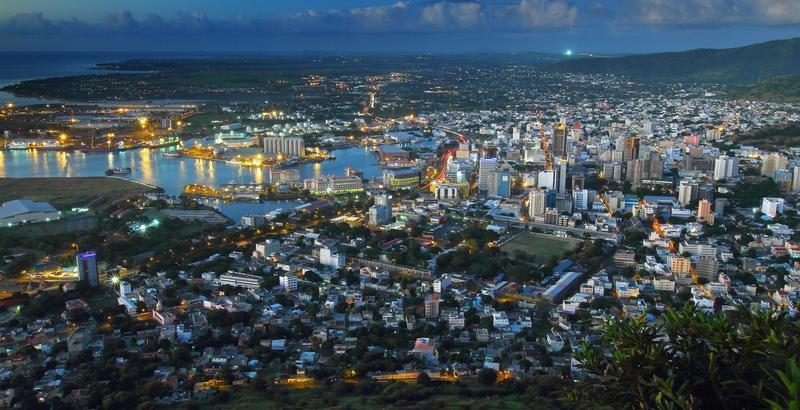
{"x": 714, "y": 12}
{"x": 439, "y": 16}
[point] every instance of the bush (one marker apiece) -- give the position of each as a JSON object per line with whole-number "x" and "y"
{"x": 487, "y": 377}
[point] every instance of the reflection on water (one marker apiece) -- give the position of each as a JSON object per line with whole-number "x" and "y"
{"x": 172, "y": 174}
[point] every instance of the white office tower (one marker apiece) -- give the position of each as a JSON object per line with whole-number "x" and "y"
{"x": 485, "y": 172}
{"x": 726, "y": 167}
{"x": 331, "y": 257}
{"x": 547, "y": 179}
{"x": 772, "y": 207}
{"x": 537, "y": 203}
{"x": 687, "y": 192}
{"x": 515, "y": 133}
{"x": 581, "y": 199}
{"x": 381, "y": 212}
{"x": 796, "y": 178}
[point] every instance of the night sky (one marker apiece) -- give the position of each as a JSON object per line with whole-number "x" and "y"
{"x": 585, "y": 26}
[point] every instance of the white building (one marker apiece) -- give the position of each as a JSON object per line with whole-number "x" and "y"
{"x": 772, "y": 206}
{"x": 331, "y": 257}
{"x": 441, "y": 284}
{"x": 547, "y": 179}
{"x": 687, "y": 192}
{"x": 240, "y": 279}
{"x": 333, "y": 185}
{"x": 486, "y": 170}
{"x": 726, "y": 167}
{"x": 26, "y": 211}
{"x": 267, "y": 248}
{"x": 581, "y": 199}
{"x": 445, "y": 192}
{"x": 288, "y": 282}
{"x": 500, "y": 320}
{"x": 537, "y": 203}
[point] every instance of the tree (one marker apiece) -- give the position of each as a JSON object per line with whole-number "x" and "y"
{"x": 690, "y": 359}
{"x": 423, "y": 379}
{"x": 487, "y": 376}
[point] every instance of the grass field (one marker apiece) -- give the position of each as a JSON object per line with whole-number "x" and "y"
{"x": 65, "y": 193}
{"x": 541, "y": 245}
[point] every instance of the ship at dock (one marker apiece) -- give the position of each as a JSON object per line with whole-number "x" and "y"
{"x": 118, "y": 171}
{"x": 171, "y": 141}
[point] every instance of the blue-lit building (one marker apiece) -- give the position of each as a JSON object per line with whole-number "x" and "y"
{"x": 500, "y": 184}
{"x": 87, "y": 268}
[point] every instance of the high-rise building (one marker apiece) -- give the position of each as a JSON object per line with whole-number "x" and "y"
{"x": 87, "y": 268}
{"x": 561, "y": 175}
{"x": 381, "y": 212}
{"x": 719, "y": 205}
{"x": 687, "y": 192}
{"x": 578, "y": 181}
{"x": 331, "y": 257}
{"x": 704, "y": 211}
{"x": 581, "y": 199}
{"x": 680, "y": 266}
{"x": 559, "y": 140}
{"x": 537, "y": 203}
{"x": 432, "y": 305}
{"x": 772, "y": 207}
{"x": 500, "y": 184}
{"x": 635, "y": 172}
{"x": 773, "y": 162}
{"x": 612, "y": 171}
{"x": 631, "y": 148}
{"x": 796, "y": 178}
{"x": 547, "y": 179}
{"x": 564, "y": 202}
{"x": 726, "y": 167}
{"x": 287, "y": 147}
{"x": 707, "y": 267}
{"x": 288, "y": 282}
{"x": 783, "y": 179}
{"x": 486, "y": 168}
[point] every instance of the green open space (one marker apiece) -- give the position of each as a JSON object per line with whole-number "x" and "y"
{"x": 540, "y": 245}
{"x": 64, "y": 193}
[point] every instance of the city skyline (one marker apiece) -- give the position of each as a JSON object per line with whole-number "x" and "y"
{"x": 584, "y": 26}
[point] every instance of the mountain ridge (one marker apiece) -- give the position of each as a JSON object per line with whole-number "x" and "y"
{"x": 736, "y": 66}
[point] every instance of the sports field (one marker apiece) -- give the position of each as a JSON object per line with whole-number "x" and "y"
{"x": 541, "y": 245}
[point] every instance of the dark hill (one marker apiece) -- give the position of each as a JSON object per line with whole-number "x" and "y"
{"x": 741, "y": 65}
